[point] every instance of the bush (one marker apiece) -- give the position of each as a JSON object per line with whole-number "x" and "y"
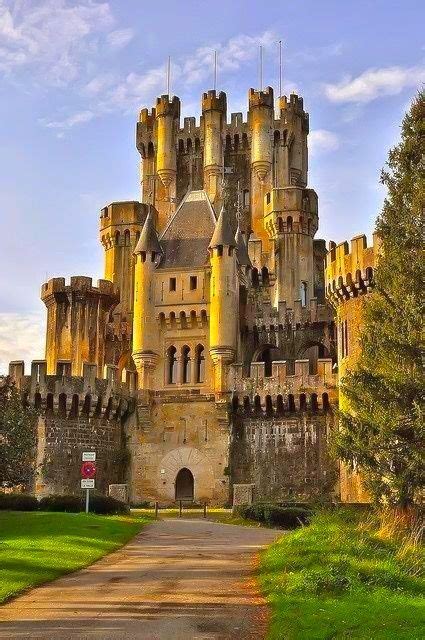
{"x": 70, "y": 504}
{"x": 105, "y": 504}
{"x": 18, "y": 502}
{"x": 275, "y": 515}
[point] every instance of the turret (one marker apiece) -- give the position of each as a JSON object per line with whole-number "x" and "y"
{"x": 296, "y": 125}
{"x": 223, "y": 301}
{"x": 145, "y": 330}
{"x": 77, "y": 315}
{"x": 167, "y": 121}
{"x": 260, "y": 124}
{"x": 291, "y": 219}
{"x": 120, "y": 227}
{"x": 214, "y": 109}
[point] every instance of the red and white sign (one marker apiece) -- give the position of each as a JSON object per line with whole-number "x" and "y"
{"x": 88, "y": 470}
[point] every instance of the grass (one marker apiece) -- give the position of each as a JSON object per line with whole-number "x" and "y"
{"x": 214, "y": 514}
{"x": 338, "y": 578}
{"x": 36, "y": 547}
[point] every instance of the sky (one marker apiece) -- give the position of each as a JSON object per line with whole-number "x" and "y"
{"x": 73, "y": 76}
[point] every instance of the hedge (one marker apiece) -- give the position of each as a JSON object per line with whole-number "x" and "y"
{"x": 288, "y": 517}
{"x": 64, "y": 503}
{"x": 18, "y": 502}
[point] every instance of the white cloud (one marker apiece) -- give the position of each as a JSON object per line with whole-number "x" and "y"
{"x": 322, "y": 141}
{"x": 375, "y": 83}
{"x": 21, "y": 338}
{"x": 55, "y": 37}
{"x": 76, "y": 118}
{"x": 120, "y": 38}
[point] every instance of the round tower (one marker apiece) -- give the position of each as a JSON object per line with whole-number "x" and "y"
{"x": 214, "y": 110}
{"x": 223, "y": 301}
{"x": 145, "y": 328}
{"x": 296, "y": 124}
{"x": 167, "y": 121}
{"x": 260, "y": 118}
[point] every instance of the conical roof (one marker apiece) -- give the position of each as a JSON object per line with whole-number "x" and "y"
{"x": 241, "y": 249}
{"x": 223, "y": 234}
{"x": 148, "y": 241}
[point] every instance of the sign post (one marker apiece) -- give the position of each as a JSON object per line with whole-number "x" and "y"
{"x": 88, "y": 473}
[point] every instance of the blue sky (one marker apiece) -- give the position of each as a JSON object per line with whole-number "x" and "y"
{"x": 73, "y": 76}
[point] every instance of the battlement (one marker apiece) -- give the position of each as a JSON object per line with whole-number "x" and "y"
{"x": 280, "y": 380}
{"x": 349, "y": 270}
{"x": 291, "y": 209}
{"x": 147, "y": 117}
{"x": 213, "y": 102}
{"x": 78, "y": 284}
{"x": 168, "y": 106}
{"x": 261, "y": 98}
{"x": 295, "y": 103}
{"x": 271, "y": 319}
{"x": 123, "y": 215}
{"x": 74, "y": 396}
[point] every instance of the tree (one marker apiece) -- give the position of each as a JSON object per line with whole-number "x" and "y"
{"x": 382, "y": 432}
{"x": 17, "y": 437}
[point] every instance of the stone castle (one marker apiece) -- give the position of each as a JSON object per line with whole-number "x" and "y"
{"x": 204, "y": 365}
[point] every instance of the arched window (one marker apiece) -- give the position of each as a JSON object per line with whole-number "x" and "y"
{"x": 171, "y": 365}
{"x": 200, "y": 364}
{"x": 186, "y": 365}
{"x": 266, "y": 357}
{"x": 289, "y": 223}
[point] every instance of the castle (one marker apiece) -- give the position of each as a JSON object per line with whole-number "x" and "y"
{"x": 203, "y": 367}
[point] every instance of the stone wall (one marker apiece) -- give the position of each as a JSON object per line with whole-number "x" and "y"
{"x": 283, "y": 457}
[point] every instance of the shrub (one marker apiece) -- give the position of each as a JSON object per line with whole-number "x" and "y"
{"x": 105, "y": 504}
{"x": 18, "y": 502}
{"x": 275, "y": 515}
{"x": 70, "y": 504}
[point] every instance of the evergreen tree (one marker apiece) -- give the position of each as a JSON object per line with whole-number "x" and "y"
{"x": 382, "y": 433}
{"x": 17, "y": 437}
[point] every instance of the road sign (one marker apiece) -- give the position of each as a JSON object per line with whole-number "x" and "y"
{"x": 87, "y": 483}
{"x": 89, "y": 456}
{"x": 88, "y": 470}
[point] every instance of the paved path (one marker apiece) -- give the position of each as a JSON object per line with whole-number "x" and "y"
{"x": 177, "y": 580}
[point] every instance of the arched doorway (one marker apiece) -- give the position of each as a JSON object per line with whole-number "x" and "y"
{"x": 184, "y": 485}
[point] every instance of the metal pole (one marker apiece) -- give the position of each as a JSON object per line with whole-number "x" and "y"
{"x": 87, "y": 500}
{"x": 180, "y": 508}
{"x": 156, "y": 510}
{"x": 261, "y": 67}
{"x": 280, "y": 68}
{"x": 205, "y": 509}
{"x": 168, "y": 75}
{"x": 215, "y": 70}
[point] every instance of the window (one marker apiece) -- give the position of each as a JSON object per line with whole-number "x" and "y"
{"x": 303, "y": 294}
{"x": 268, "y": 198}
{"x": 200, "y": 364}
{"x": 171, "y": 366}
{"x": 344, "y": 338}
{"x": 245, "y": 198}
{"x": 186, "y": 368}
{"x": 173, "y": 284}
{"x": 193, "y": 282}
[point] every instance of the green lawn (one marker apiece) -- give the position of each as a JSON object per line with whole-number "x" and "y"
{"x": 36, "y": 547}
{"x": 337, "y": 579}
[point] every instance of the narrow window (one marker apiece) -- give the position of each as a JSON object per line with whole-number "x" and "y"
{"x": 186, "y": 365}
{"x": 193, "y": 282}
{"x": 173, "y": 284}
{"x": 245, "y": 198}
{"x": 200, "y": 364}
{"x": 171, "y": 366}
{"x": 268, "y": 198}
{"x": 346, "y": 337}
{"x": 303, "y": 294}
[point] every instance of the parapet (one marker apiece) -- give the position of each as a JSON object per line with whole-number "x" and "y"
{"x": 213, "y": 102}
{"x": 56, "y": 288}
{"x": 259, "y": 98}
{"x": 349, "y": 273}
{"x": 281, "y": 382}
{"x": 295, "y": 103}
{"x": 74, "y": 396}
{"x": 147, "y": 118}
{"x": 123, "y": 214}
{"x": 168, "y": 106}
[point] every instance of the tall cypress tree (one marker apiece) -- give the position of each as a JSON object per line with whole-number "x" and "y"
{"x": 382, "y": 433}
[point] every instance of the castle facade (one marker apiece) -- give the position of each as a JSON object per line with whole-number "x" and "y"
{"x": 203, "y": 366}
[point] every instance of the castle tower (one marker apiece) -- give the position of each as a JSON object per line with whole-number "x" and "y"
{"x": 214, "y": 110}
{"x": 120, "y": 227}
{"x": 291, "y": 166}
{"x": 145, "y": 328}
{"x": 291, "y": 220}
{"x": 223, "y": 301}
{"x": 77, "y": 315}
{"x": 348, "y": 279}
{"x": 260, "y": 122}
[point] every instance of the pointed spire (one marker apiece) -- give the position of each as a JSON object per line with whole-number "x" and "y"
{"x": 148, "y": 241}
{"x": 241, "y": 250}
{"x": 223, "y": 234}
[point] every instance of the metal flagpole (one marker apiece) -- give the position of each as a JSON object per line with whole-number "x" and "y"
{"x": 215, "y": 69}
{"x": 261, "y": 67}
{"x": 280, "y": 68}
{"x": 168, "y": 75}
